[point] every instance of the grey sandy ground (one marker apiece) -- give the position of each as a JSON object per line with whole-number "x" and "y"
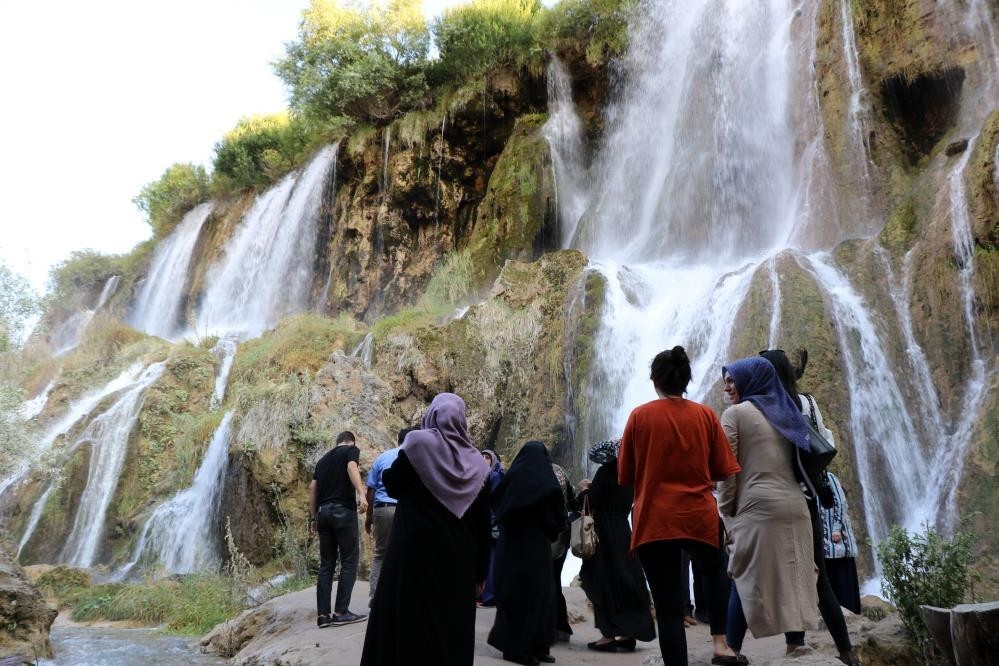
{"x": 289, "y": 636}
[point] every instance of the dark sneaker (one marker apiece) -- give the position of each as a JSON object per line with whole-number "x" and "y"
{"x": 340, "y": 619}
{"x": 324, "y": 621}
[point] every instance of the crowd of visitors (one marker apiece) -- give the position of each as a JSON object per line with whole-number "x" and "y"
{"x": 771, "y": 546}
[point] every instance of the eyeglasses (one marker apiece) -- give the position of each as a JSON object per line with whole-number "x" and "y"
{"x": 777, "y": 351}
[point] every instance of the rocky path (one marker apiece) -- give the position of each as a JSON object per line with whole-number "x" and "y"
{"x": 283, "y": 631}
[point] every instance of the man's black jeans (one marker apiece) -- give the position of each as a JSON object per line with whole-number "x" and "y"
{"x": 338, "y": 537}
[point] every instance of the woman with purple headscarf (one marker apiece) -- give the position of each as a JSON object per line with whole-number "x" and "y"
{"x": 438, "y": 553}
{"x": 764, "y": 511}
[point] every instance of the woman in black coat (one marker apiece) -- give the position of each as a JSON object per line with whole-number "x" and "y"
{"x": 613, "y": 580}
{"x": 530, "y": 511}
{"x": 438, "y": 552}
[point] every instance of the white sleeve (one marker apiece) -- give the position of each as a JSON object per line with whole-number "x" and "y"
{"x": 806, "y": 408}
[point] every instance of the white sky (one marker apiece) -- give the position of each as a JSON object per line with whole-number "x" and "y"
{"x": 100, "y": 97}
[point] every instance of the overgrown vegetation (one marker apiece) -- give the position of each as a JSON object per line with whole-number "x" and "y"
{"x": 18, "y": 302}
{"x": 164, "y": 201}
{"x": 475, "y": 37}
{"x": 925, "y": 569}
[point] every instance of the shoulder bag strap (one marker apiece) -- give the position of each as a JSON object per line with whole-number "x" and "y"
{"x": 811, "y": 410}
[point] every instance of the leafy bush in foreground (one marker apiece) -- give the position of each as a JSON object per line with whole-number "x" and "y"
{"x": 924, "y": 569}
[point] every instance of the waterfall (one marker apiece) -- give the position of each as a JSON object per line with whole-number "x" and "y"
{"x": 564, "y": 132}
{"x": 225, "y": 351}
{"x": 33, "y": 407}
{"x": 108, "y": 436}
{"x": 712, "y": 164}
{"x": 266, "y": 270}
{"x": 34, "y": 518}
{"x": 856, "y": 110}
{"x": 891, "y": 464}
{"x": 76, "y": 412}
{"x": 157, "y": 308}
{"x": 775, "y": 300}
{"x": 68, "y": 334}
{"x": 386, "y": 140}
{"x": 365, "y": 350}
{"x": 181, "y": 535}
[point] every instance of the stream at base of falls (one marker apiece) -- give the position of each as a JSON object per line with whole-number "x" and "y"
{"x": 77, "y": 645}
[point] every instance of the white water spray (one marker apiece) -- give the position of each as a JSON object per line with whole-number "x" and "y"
{"x": 181, "y": 535}
{"x": 266, "y": 270}
{"x": 108, "y": 436}
{"x": 157, "y": 308}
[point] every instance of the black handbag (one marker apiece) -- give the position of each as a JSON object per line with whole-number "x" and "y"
{"x": 815, "y": 461}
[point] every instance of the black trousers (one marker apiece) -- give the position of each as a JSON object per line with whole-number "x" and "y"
{"x": 661, "y": 561}
{"x": 829, "y": 606}
{"x": 338, "y": 539}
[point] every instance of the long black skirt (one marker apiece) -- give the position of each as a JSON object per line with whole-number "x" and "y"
{"x": 842, "y": 573}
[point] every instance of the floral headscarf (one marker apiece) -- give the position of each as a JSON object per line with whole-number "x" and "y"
{"x": 605, "y": 451}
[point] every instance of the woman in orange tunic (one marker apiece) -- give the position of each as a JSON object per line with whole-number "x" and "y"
{"x": 671, "y": 452}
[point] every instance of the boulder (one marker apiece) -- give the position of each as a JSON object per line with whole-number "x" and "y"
{"x": 25, "y": 618}
{"x": 956, "y": 147}
{"x": 937, "y": 621}
{"x": 974, "y": 632}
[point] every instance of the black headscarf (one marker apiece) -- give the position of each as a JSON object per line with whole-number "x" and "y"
{"x": 528, "y": 481}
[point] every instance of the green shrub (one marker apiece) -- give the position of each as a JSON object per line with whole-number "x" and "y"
{"x": 164, "y": 201}
{"x": 193, "y": 605}
{"x": 924, "y": 569}
{"x": 18, "y": 302}
{"x": 365, "y": 62}
{"x": 472, "y": 38}
{"x": 600, "y": 27}
{"x": 450, "y": 282}
{"x": 261, "y": 149}
{"x": 63, "y": 583}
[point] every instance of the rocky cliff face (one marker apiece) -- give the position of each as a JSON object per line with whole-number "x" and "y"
{"x": 25, "y": 618}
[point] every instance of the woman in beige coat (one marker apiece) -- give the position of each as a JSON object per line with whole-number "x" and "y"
{"x": 763, "y": 508}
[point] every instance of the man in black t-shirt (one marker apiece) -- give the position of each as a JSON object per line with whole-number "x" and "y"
{"x": 333, "y": 493}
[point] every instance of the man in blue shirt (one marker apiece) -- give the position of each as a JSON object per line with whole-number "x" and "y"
{"x": 382, "y": 511}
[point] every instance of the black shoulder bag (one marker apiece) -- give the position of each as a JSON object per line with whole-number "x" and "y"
{"x": 815, "y": 462}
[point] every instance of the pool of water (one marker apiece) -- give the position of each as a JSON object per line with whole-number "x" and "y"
{"x": 105, "y": 646}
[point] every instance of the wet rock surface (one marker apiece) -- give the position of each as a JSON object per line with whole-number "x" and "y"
{"x": 25, "y": 618}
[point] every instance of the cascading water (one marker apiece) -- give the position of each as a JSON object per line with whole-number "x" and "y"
{"x": 713, "y": 163}
{"x": 68, "y": 334}
{"x": 365, "y": 350}
{"x": 33, "y": 407}
{"x": 181, "y": 534}
{"x": 891, "y": 463}
{"x": 107, "y": 436}
{"x": 157, "y": 308}
{"x": 77, "y": 411}
{"x": 266, "y": 270}
{"x": 225, "y": 351}
{"x": 564, "y": 132}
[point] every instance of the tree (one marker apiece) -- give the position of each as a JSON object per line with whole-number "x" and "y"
{"x": 15, "y": 442}
{"x": 18, "y": 303}
{"x": 164, "y": 201}
{"x": 362, "y": 61}
{"x": 479, "y": 35}
{"x": 260, "y": 149}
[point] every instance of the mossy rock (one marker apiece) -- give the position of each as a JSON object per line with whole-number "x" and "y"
{"x": 516, "y": 219}
{"x": 62, "y": 582}
{"x": 56, "y": 522}
{"x": 978, "y": 498}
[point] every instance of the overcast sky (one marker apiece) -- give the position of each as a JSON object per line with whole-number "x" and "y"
{"x": 101, "y": 97}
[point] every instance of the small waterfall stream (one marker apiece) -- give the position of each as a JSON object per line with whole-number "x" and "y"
{"x": 108, "y": 436}
{"x": 77, "y": 411}
{"x": 365, "y": 350}
{"x": 157, "y": 307}
{"x": 225, "y": 351}
{"x": 181, "y": 535}
{"x": 266, "y": 270}
{"x": 68, "y": 334}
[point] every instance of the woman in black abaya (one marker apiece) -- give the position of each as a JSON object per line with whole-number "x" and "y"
{"x": 438, "y": 553}
{"x": 529, "y": 508}
{"x": 612, "y": 579}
